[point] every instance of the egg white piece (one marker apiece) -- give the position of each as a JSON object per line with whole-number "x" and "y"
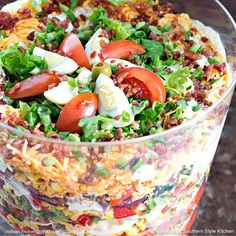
{"x": 56, "y": 62}
{"x": 112, "y": 100}
{"x": 124, "y": 63}
{"x": 85, "y": 76}
{"x": 60, "y": 94}
{"x": 93, "y": 45}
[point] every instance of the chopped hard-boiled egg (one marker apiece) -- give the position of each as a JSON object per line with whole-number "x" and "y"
{"x": 56, "y": 62}
{"x": 112, "y": 101}
{"x": 123, "y": 63}
{"x": 93, "y": 46}
{"x": 61, "y": 94}
{"x": 85, "y": 76}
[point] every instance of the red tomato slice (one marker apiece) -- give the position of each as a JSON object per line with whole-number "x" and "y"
{"x": 34, "y": 85}
{"x": 85, "y": 220}
{"x": 150, "y": 84}
{"x": 121, "y": 49}
{"x": 122, "y": 212}
{"x": 83, "y": 105}
{"x": 73, "y": 48}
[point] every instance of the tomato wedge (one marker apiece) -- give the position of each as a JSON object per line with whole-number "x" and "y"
{"x": 73, "y": 48}
{"x": 81, "y": 106}
{"x": 34, "y": 85}
{"x": 150, "y": 84}
{"x": 121, "y": 49}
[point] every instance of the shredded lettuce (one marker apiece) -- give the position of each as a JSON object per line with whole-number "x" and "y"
{"x": 52, "y": 35}
{"x": 20, "y": 64}
{"x": 179, "y": 82}
{"x": 122, "y": 29}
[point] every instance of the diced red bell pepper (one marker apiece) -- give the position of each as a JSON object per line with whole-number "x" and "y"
{"x": 85, "y": 220}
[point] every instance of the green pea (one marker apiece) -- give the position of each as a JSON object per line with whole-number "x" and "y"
{"x": 99, "y": 68}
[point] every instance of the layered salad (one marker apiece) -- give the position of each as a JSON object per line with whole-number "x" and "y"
{"x": 76, "y": 74}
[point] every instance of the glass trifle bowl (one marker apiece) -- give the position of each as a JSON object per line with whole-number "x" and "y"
{"x": 143, "y": 186}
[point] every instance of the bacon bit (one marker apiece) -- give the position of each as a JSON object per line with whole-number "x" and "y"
{"x": 93, "y": 54}
{"x": 135, "y": 103}
{"x": 24, "y": 13}
{"x": 117, "y": 117}
{"x": 7, "y": 21}
{"x": 155, "y": 37}
{"x": 192, "y": 56}
{"x": 208, "y": 52}
{"x": 204, "y": 39}
{"x": 220, "y": 67}
{"x": 119, "y": 134}
{"x": 31, "y": 35}
{"x": 102, "y": 44}
{"x": 76, "y": 23}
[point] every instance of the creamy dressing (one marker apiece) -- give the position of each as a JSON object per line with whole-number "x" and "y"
{"x": 110, "y": 227}
{"x": 82, "y": 205}
{"x": 144, "y": 173}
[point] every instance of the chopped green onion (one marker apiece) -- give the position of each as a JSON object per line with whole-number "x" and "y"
{"x": 71, "y": 82}
{"x": 138, "y": 164}
{"x": 195, "y": 48}
{"x": 213, "y": 60}
{"x": 84, "y": 90}
{"x": 188, "y": 35}
{"x": 102, "y": 171}
{"x": 150, "y": 204}
{"x": 197, "y": 107}
{"x": 73, "y": 4}
{"x": 125, "y": 116}
{"x": 198, "y": 74}
{"x": 67, "y": 11}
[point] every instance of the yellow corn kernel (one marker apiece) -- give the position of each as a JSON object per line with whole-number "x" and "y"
{"x": 141, "y": 225}
{"x": 132, "y": 232}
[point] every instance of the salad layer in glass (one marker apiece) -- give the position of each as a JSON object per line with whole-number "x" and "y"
{"x": 98, "y": 72}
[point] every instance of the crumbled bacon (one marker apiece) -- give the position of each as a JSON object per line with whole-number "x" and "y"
{"x": 24, "y": 13}
{"x": 192, "y": 56}
{"x": 31, "y": 35}
{"x": 7, "y": 21}
{"x": 208, "y": 52}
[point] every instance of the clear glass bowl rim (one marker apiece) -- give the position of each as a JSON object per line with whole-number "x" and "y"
{"x": 140, "y": 139}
